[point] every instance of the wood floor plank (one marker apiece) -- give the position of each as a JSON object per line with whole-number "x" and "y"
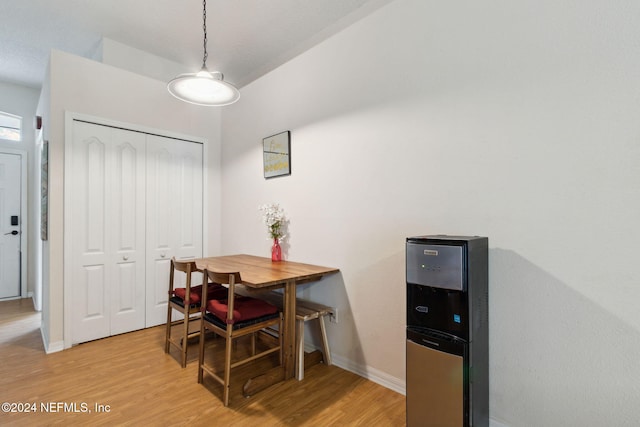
{"x": 132, "y": 377}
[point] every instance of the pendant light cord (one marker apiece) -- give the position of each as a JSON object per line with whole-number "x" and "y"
{"x": 204, "y": 27}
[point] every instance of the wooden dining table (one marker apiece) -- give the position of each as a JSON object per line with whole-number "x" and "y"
{"x": 260, "y": 273}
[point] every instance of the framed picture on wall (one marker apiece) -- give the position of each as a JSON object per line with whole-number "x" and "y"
{"x": 44, "y": 191}
{"x": 276, "y": 152}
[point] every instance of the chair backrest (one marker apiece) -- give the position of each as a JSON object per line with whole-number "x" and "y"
{"x": 186, "y": 267}
{"x": 224, "y": 278}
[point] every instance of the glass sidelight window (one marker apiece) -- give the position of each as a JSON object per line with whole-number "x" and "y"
{"x": 10, "y": 127}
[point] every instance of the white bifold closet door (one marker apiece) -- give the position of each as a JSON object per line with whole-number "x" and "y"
{"x": 108, "y": 235}
{"x": 135, "y": 202}
{"x": 174, "y": 216}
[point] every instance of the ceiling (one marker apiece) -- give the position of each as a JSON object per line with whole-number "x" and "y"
{"x": 246, "y": 38}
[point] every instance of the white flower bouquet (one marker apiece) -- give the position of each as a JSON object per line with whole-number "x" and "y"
{"x": 274, "y": 219}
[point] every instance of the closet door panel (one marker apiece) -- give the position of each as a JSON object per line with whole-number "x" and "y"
{"x": 189, "y": 239}
{"x": 108, "y": 235}
{"x": 93, "y": 206}
{"x": 91, "y": 318}
{"x": 92, "y": 294}
{"x": 174, "y": 215}
{"x": 90, "y": 237}
{"x": 160, "y": 210}
{"x": 128, "y": 231}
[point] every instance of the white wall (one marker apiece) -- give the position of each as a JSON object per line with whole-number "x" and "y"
{"x": 22, "y": 101}
{"x": 126, "y": 57}
{"x": 517, "y": 121}
{"x": 84, "y": 86}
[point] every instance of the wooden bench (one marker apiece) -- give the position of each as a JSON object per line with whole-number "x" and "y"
{"x": 305, "y": 310}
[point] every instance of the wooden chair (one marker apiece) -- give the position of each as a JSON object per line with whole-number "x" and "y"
{"x": 234, "y": 317}
{"x": 187, "y": 301}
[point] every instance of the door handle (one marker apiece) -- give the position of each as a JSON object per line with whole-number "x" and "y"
{"x": 13, "y": 233}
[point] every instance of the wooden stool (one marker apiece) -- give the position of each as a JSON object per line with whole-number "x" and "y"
{"x": 307, "y": 310}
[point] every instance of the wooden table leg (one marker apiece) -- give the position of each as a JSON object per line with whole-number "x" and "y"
{"x": 289, "y": 336}
{"x": 288, "y": 369}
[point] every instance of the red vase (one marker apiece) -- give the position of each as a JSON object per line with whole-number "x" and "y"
{"x": 276, "y": 251}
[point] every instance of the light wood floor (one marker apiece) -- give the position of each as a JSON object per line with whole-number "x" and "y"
{"x": 143, "y": 386}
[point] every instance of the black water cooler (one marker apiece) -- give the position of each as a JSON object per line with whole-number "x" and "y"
{"x": 447, "y": 331}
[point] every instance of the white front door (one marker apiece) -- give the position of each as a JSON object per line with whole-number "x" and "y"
{"x": 108, "y": 231}
{"x": 174, "y": 216}
{"x": 10, "y": 225}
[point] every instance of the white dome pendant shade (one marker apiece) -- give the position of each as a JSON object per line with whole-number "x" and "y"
{"x": 204, "y": 87}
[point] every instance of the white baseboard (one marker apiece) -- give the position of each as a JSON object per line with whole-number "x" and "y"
{"x": 371, "y": 374}
{"x": 53, "y": 347}
{"x": 367, "y": 372}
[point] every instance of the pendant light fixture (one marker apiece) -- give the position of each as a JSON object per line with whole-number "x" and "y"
{"x": 204, "y": 87}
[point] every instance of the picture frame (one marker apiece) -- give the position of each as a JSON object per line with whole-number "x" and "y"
{"x": 276, "y": 153}
{"x": 44, "y": 191}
